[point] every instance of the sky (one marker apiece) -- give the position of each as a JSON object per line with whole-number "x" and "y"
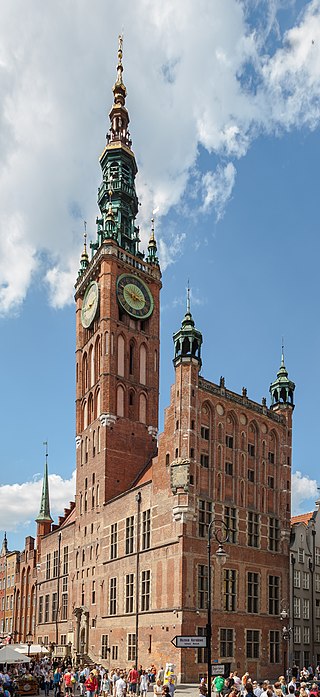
{"x": 224, "y": 102}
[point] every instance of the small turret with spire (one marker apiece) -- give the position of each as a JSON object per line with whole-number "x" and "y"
{"x": 282, "y": 389}
{"x": 187, "y": 340}
{"x": 84, "y": 260}
{"x": 152, "y": 247}
{"x": 44, "y": 519}
{"x": 4, "y": 548}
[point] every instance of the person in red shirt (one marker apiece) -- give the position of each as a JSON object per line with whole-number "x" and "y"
{"x": 91, "y": 684}
{"x": 133, "y": 679}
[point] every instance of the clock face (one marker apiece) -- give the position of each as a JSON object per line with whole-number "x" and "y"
{"x": 90, "y": 304}
{"x": 134, "y": 296}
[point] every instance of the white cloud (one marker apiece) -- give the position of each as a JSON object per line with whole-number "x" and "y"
{"x": 19, "y": 503}
{"x": 304, "y": 493}
{"x": 197, "y": 75}
{"x": 217, "y": 188}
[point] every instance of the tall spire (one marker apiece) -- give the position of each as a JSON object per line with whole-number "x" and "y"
{"x": 119, "y": 116}
{"x": 44, "y": 513}
{"x": 84, "y": 260}
{"x": 4, "y": 548}
{"x": 152, "y": 246}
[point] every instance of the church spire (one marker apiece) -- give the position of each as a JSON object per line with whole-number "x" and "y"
{"x": 282, "y": 389}
{"x": 119, "y": 116}
{"x": 84, "y": 261}
{"x": 4, "y": 548}
{"x": 187, "y": 340}
{"x": 44, "y": 513}
{"x": 152, "y": 246}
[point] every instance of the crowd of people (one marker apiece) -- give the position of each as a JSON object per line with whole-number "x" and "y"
{"x": 65, "y": 680}
{"x": 304, "y": 683}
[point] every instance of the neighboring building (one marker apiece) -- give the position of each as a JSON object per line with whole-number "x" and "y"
{"x": 8, "y": 566}
{"x": 131, "y": 557}
{"x": 305, "y": 588}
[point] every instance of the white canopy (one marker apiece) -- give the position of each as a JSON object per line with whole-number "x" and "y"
{"x": 10, "y": 655}
{"x": 34, "y": 648}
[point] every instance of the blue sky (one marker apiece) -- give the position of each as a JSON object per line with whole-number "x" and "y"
{"x": 224, "y": 108}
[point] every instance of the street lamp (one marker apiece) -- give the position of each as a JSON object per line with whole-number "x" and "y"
{"x": 221, "y": 536}
{"x": 286, "y": 633}
{"x": 29, "y": 642}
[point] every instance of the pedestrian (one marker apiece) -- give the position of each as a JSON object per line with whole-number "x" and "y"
{"x": 218, "y": 684}
{"x": 121, "y": 687}
{"x": 157, "y": 688}
{"x": 105, "y": 685}
{"x": 144, "y": 684}
{"x": 91, "y": 684}
{"x": 57, "y": 681}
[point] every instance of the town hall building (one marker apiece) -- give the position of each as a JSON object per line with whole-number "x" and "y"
{"x": 125, "y": 570}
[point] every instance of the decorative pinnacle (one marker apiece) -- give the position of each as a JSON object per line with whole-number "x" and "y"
{"x": 188, "y": 298}
{"x": 120, "y": 66}
{"x": 282, "y": 352}
{"x": 44, "y": 513}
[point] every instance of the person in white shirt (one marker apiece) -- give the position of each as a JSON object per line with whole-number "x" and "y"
{"x": 121, "y": 687}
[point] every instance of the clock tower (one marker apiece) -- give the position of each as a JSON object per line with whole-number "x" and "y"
{"x": 117, "y": 330}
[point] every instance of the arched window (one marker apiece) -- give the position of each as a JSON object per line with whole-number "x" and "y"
{"x": 106, "y": 343}
{"x": 143, "y": 408}
{"x": 85, "y": 414}
{"x": 121, "y": 355}
{"x": 143, "y": 364}
{"x": 98, "y": 495}
{"x": 98, "y": 405}
{"x": 120, "y": 400}
{"x": 92, "y": 497}
{"x": 131, "y": 357}
{"x": 85, "y": 502}
{"x": 98, "y": 439}
{"x": 97, "y": 357}
{"x": 93, "y": 443}
{"x": 81, "y": 501}
{"x": 91, "y": 364}
{"x": 84, "y": 373}
{"x": 87, "y": 449}
{"x": 90, "y": 409}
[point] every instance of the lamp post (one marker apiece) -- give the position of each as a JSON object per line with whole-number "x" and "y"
{"x": 29, "y": 642}
{"x": 286, "y": 634}
{"x": 221, "y": 537}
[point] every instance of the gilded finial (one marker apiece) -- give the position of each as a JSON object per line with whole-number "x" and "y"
{"x": 120, "y": 53}
{"x": 282, "y": 351}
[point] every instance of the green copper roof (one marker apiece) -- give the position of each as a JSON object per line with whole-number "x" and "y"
{"x": 187, "y": 340}
{"x": 44, "y": 513}
{"x": 282, "y": 389}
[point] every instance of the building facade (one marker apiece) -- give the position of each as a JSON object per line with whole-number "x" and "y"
{"x": 126, "y": 569}
{"x": 304, "y": 631}
{"x": 8, "y": 568}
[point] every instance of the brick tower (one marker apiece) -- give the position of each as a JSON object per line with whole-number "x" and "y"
{"x": 117, "y": 330}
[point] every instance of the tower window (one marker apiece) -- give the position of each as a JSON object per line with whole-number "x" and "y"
{"x": 204, "y": 460}
{"x": 229, "y": 441}
{"x": 131, "y": 357}
{"x": 229, "y": 468}
{"x": 251, "y": 450}
{"x": 204, "y": 432}
{"x": 250, "y": 475}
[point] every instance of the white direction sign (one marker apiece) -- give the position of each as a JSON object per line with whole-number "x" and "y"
{"x": 189, "y": 642}
{"x": 217, "y": 669}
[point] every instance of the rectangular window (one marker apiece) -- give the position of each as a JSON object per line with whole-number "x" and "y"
{"x": 301, "y": 555}
{"x": 297, "y": 634}
{"x": 253, "y": 529}
{"x": 296, "y": 608}
{"x": 317, "y": 608}
{"x": 114, "y": 652}
{"x": 230, "y": 521}
{"x": 93, "y": 592}
{"x": 65, "y": 584}
{"x": 271, "y": 482}
{"x": 205, "y": 513}
{"x": 274, "y": 595}
{"x": 251, "y": 450}
{"x": 296, "y": 578}
{"x": 54, "y": 607}
{"x": 274, "y": 643}
{"x": 131, "y": 647}
{"x": 250, "y": 475}
{"x": 271, "y": 460}
{"x": 317, "y": 556}
{"x": 226, "y": 643}
{"x": 46, "y": 608}
{"x": 202, "y": 653}
{"x": 104, "y": 646}
{"x": 306, "y": 580}
{"x": 48, "y": 566}
{"x": 129, "y": 593}
{"x": 252, "y": 643}
{"x": 253, "y": 592}
{"x": 113, "y": 597}
{"x": 63, "y": 639}
{"x": 318, "y": 633}
{"x": 229, "y": 441}
{"x": 129, "y": 534}
{"x": 306, "y": 635}
{"x": 65, "y": 560}
{"x": 145, "y": 590}
{"x": 64, "y": 606}
{"x": 55, "y": 564}
{"x": 114, "y": 541}
{"x": 204, "y": 460}
{"x": 229, "y": 468}
{"x": 230, "y": 590}
{"x": 202, "y": 587}
{"x": 205, "y": 432}
{"x": 306, "y": 608}
{"x": 40, "y": 610}
{"x": 146, "y": 529}
{"x": 317, "y": 582}
{"x": 274, "y": 535}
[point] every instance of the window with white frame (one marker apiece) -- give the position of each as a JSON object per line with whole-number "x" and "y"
{"x": 306, "y": 608}
{"x": 131, "y": 647}
{"x": 296, "y": 608}
{"x": 317, "y": 556}
{"x": 306, "y": 580}
{"x": 317, "y": 633}
{"x": 306, "y": 635}
{"x": 301, "y": 555}
{"x": 296, "y": 578}
{"x": 317, "y": 582}
{"x": 297, "y": 634}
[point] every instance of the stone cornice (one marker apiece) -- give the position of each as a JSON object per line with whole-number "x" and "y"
{"x": 239, "y": 399}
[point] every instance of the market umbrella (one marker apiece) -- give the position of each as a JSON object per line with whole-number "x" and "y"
{"x": 9, "y": 655}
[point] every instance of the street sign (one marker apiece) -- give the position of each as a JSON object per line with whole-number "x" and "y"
{"x": 217, "y": 669}
{"x": 189, "y": 642}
